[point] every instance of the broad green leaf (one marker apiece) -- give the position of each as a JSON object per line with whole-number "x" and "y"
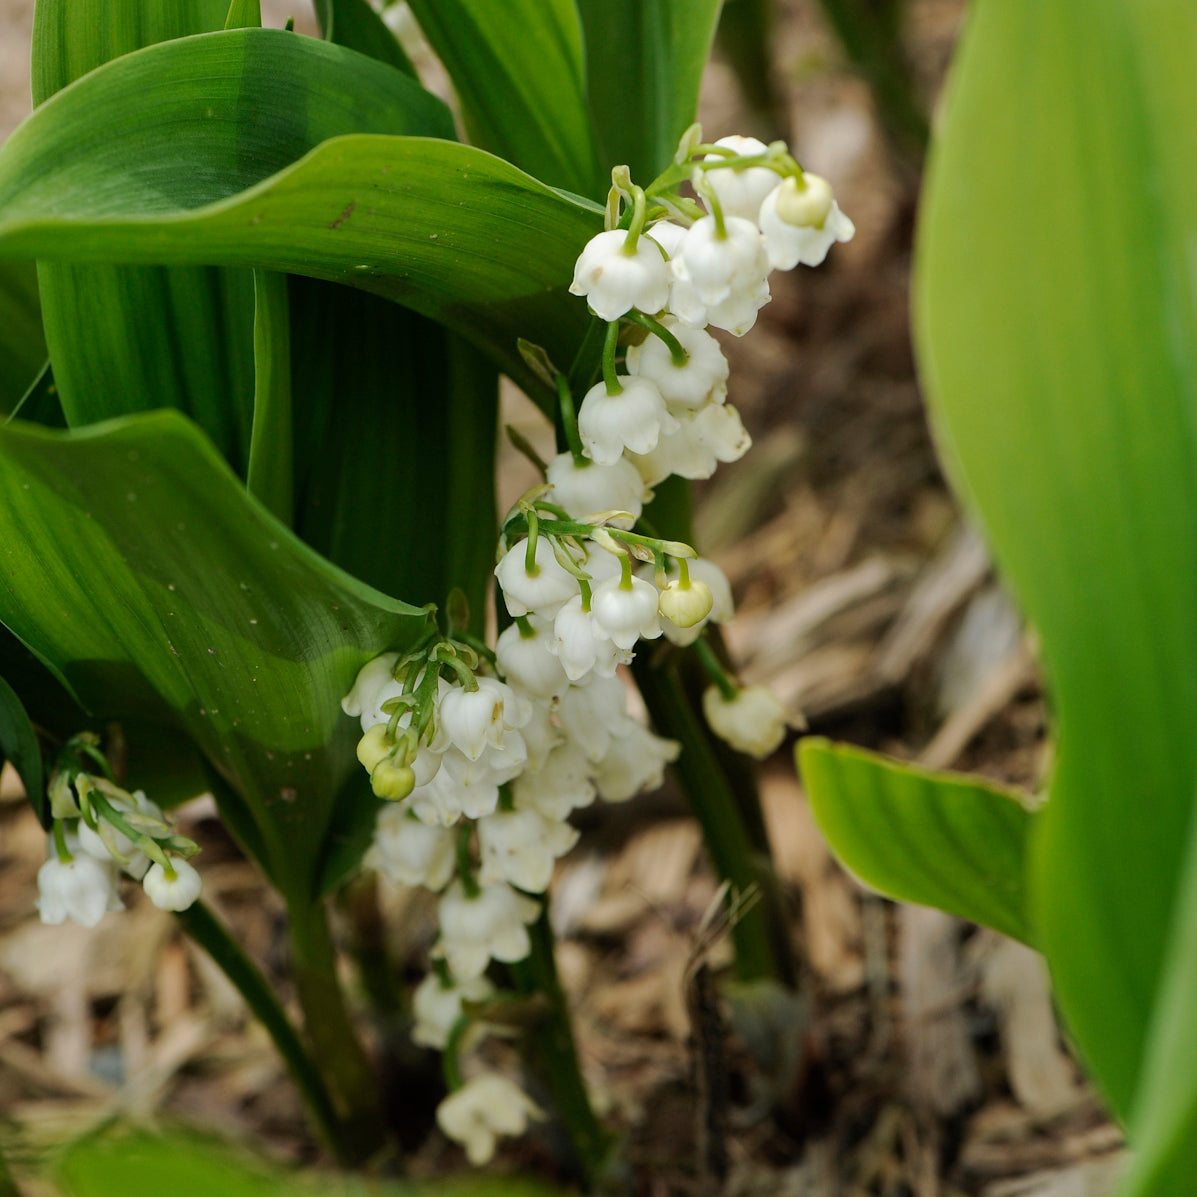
{"x": 244, "y": 14}
{"x": 19, "y": 746}
{"x": 270, "y": 473}
{"x": 1057, "y": 334}
{"x": 518, "y": 71}
{"x": 395, "y": 458}
{"x": 153, "y": 586}
{"x": 446, "y": 229}
{"x": 644, "y": 61}
{"x": 22, "y": 344}
{"x": 356, "y": 26}
{"x": 137, "y": 1165}
{"x": 937, "y": 839}
{"x": 126, "y": 339}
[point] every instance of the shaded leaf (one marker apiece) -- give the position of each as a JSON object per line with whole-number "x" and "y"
{"x": 518, "y": 71}
{"x": 22, "y": 343}
{"x": 356, "y": 26}
{"x": 937, "y": 839}
{"x": 19, "y": 746}
{"x": 155, "y": 587}
{"x": 1068, "y": 411}
{"x": 270, "y": 471}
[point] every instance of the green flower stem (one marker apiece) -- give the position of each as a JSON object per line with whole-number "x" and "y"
{"x": 553, "y": 1056}
{"x": 610, "y": 344}
{"x": 677, "y": 353}
{"x": 335, "y": 1046}
{"x": 728, "y": 812}
{"x": 569, "y": 420}
{"x": 211, "y": 935}
{"x": 714, "y": 668}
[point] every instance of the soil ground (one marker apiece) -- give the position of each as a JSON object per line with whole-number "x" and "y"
{"x": 924, "y": 1059}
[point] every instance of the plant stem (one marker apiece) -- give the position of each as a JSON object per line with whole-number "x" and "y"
{"x": 202, "y": 925}
{"x": 729, "y": 815}
{"x": 553, "y": 1056}
{"x": 335, "y": 1045}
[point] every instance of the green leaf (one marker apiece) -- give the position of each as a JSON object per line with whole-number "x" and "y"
{"x": 933, "y": 838}
{"x": 270, "y": 453}
{"x": 18, "y": 745}
{"x": 1067, "y": 407}
{"x": 126, "y": 166}
{"x": 244, "y": 14}
{"x": 644, "y": 61}
{"x": 356, "y": 26}
{"x": 22, "y": 343}
{"x": 153, "y": 586}
{"x": 518, "y": 71}
{"x": 127, "y": 339}
{"x": 40, "y": 403}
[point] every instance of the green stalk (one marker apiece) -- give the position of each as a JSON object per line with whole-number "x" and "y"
{"x": 8, "y": 1186}
{"x": 335, "y": 1045}
{"x": 207, "y": 931}
{"x": 729, "y": 813}
{"x": 553, "y": 1056}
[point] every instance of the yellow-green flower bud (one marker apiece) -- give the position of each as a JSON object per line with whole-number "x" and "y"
{"x": 806, "y": 207}
{"x": 374, "y": 746}
{"x": 686, "y": 605}
{"x": 391, "y": 781}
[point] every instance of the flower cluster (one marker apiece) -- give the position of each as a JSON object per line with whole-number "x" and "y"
{"x": 100, "y": 831}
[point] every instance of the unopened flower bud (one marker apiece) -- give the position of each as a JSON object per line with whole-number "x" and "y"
{"x": 176, "y": 890}
{"x": 686, "y": 605}
{"x": 374, "y": 747}
{"x": 391, "y": 781}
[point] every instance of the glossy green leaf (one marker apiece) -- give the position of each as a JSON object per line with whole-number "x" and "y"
{"x": 155, "y": 587}
{"x": 127, "y": 339}
{"x": 115, "y": 1165}
{"x": 518, "y": 71}
{"x": 127, "y": 166}
{"x": 937, "y": 839}
{"x": 270, "y": 453}
{"x": 244, "y": 14}
{"x": 19, "y": 746}
{"x": 644, "y": 62}
{"x": 22, "y": 343}
{"x": 1057, "y": 338}
{"x": 356, "y": 26}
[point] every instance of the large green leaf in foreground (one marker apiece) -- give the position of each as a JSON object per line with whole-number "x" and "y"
{"x": 1057, "y": 308}
{"x": 941, "y": 840}
{"x": 138, "y": 568}
{"x": 160, "y": 157}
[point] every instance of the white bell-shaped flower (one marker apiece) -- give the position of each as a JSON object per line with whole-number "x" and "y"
{"x": 740, "y": 191}
{"x": 436, "y": 1007}
{"x": 408, "y": 851}
{"x": 484, "y": 1108}
{"x": 472, "y": 719}
{"x": 583, "y": 646}
{"x": 801, "y": 224}
{"x": 176, "y": 892}
{"x": 702, "y": 440}
{"x": 521, "y": 847}
{"x": 587, "y": 489}
{"x": 686, "y": 604}
{"x": 588, "y": 713}
{"x": 720, "y": 267}
{"x": 375, "y": 683}
{"x": 722, "y": 605}
{"x": 473, "y": 930}
{"x": 541, "y": 735}
{"x": 544, "y": 589}
{"x": 528, "y": 661}
{"x": 83, "y": 889}
{"x": 737, "y": 313}
{"x": 635, "y": 760}
{"x": 702, "y": 379}
{"x": 614, "y": 281}
{"x": 628, "y": 612}
{"x": 562, "y": 784}
{"x": 634, "y": 420}
{"x": 753, "y": 722}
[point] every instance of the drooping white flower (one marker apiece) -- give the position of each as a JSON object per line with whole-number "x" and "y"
{"x": 737, "y": 313}
{"x": 544, "y": 589}
{"x": 801, "y": 224}
{"x": 562, "y": 784}
{"x": 473, "y": 930}
{"x": 614, "y": 281}
{"x": 583, "y": 646}
{"x": 472, "y": 719}
{"x": 409, "y": 851}
{"x": 702, "y": 379}
{"x": 521, "y": 846}
{"x": 528, "y": 661}
{"x": 686, "y": 605}
{"x": 375, "y": 683}
{"x": 437, "y": 1007}
{"x": 634, "y": 420}
{"x": 753, "y": 722}
{"x": 702, "y": 440}
{"x": 635, "y": 760}
{"x": 541, "y": 735}
{"x": 172, "y": 893}
{"x": 587, "y": 489}
{"x": 484, "y": 1108}
{"x": 83, "y": 889}
{"x": 106, "y": 843}
{"x": 684, "y": 302}
{"x": 722, "y": 605}
{"x": 741, "y": 191}
{"x": 628, "y": 612}
{"x": 588, "y": 713}
{"x": 720, "y": 267}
